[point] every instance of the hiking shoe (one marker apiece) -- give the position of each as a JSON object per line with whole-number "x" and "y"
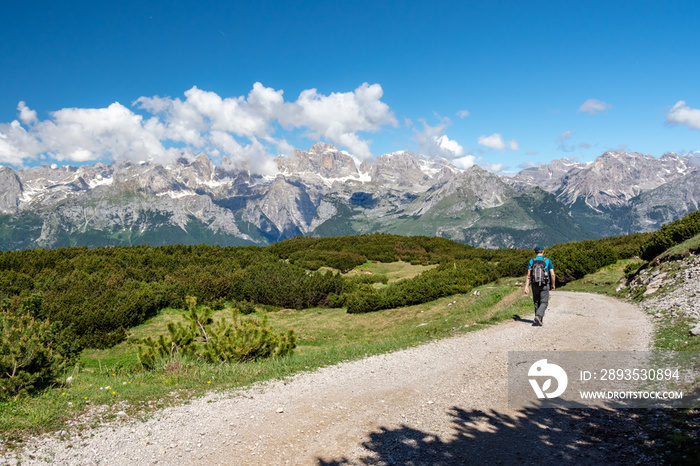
{"x": 538, "y": 321}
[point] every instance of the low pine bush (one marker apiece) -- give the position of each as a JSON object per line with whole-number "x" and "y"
{"x": 200, "y": 337}
{"x": 33, "y": 351}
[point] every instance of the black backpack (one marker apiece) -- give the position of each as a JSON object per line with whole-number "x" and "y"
{"x": 538, "y": 272}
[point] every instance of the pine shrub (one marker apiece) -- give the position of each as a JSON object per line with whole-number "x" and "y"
{"x": 200, "y": 337}
{"x": 33, "y": 351}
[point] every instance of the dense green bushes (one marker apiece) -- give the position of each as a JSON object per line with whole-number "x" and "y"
{"x": 314, "y": 259}
{"x": 282, "y": 284}
{"x": 102, "y": 292}
{"x": 574, "y": 260}
{"x": 445, "y": 280}
{"x": 378, "y": 247}
{"x": 670, "y": 235}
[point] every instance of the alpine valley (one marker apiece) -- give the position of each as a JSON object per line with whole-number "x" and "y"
{"x": 324, "y": 192}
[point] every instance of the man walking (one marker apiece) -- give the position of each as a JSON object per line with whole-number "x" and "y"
{"x": 540, "y": 273}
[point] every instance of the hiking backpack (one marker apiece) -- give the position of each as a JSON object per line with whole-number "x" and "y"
{"x": 538, "y": 272}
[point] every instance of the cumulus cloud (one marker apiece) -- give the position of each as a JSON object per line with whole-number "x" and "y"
{"x": 243, "y": 128}
{"x": 463, "y": 113}
{"x": 594, "y": 106}
{"x": 448, "y": 145}
{"x": 16, "y": 144}
{"x": 493, "y": 167}
{"x": 338, "y": 117}
{"x": 27, "y": 115}
{"x": 681, "y": 114}
{"x": 464, "y": 162}
{"x": 495, "y": 141}
{"x": 433, "y": 141}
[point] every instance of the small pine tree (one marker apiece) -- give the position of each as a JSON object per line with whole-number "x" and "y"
{"x": 223, "y": 342}
{"x": 32, "y": 351}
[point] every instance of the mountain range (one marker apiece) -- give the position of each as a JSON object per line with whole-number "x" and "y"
{"x": 323, "y": 191}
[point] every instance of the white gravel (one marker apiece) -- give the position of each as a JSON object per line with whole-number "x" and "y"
{"x": 439, "y": 403}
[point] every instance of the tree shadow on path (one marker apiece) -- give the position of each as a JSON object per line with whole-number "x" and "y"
{"x": 533, "y": 436}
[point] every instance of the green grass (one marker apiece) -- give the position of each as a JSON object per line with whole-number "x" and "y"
{"x": 692, "y": 244}
{"x": 604, "y": 281}
{"x": 394, "y": 271}
{"x": 113, "y": 378}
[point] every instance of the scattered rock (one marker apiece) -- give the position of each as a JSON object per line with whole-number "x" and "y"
{"x": 695, "y": 331}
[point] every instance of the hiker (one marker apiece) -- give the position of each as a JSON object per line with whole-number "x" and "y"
{"x": 540, "y": 273}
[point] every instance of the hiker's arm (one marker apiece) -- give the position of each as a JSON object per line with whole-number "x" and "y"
{"x": 554, "y": 278}
{"x": 527, "y": 282}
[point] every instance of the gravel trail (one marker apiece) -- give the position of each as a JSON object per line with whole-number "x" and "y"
{"x": 440, "y": 403}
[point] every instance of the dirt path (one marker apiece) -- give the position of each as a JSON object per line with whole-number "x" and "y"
{"x": 440, "y": 403}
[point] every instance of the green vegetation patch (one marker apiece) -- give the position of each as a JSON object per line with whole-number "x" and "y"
{"x": 681, "y": 250}
{"x": 606, "y": 280}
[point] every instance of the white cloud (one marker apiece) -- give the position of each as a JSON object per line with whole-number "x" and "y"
{"x": 242, "y": 128}
{"x": 594, "y": 106}
{"x": 495, "y": 141}
{"x": 26, "y": 115}
{"x": 84, "y": 134}
{"x": 463, "y": 113}
{"x": 681, "y": 114}
{"x": 464, "y": 162}
{"x": 432, "y": 141}
{"x": 338, "y": 117}
{"x": 493, "y": 167}
{"x": 449, "y": 145}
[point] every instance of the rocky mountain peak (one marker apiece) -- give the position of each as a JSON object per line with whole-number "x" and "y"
{"x": 322, "y": 159}
{"x": 615, "y": 177}
{"x": 407, "y": 171}
{"x": 10, "y": 192}
{"x": 546, "y": 176}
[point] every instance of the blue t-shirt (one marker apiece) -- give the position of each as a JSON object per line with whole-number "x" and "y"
{"x": 548, "y": 263}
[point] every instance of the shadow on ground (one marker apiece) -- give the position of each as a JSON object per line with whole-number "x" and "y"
{"x": 531, "y": 436}
{"x": 517, "y": 318}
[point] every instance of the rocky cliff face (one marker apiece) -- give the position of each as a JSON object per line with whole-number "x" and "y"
{"x": 616, "y": 177}
{"x": 10, "y": 191}
{"x": 323, "y": 191}
{"x": 548, "y": 177}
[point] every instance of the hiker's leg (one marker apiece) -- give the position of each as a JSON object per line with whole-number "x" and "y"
{"x": 536, "y": 296}
{"x": 543, "y": 301}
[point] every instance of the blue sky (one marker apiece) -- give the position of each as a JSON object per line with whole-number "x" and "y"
{"x": 501, "y": 84}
